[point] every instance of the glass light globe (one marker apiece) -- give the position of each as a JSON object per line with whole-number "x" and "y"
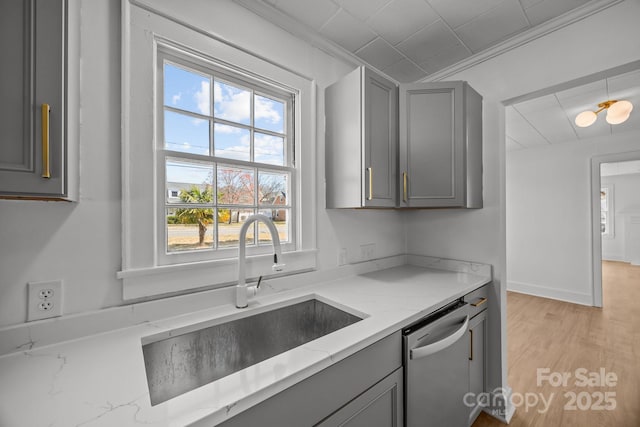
{"x": 619, "y": 112}
{"x": 586, "y": 118}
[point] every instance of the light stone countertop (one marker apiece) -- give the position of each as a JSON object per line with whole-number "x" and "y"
{"x": 100, "y": 380}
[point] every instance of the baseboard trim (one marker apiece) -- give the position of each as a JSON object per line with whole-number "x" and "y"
{"x": 546, "y": 292}
{"x": 501, "y": 407}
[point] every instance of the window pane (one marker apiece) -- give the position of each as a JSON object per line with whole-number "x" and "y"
{"x": 231, "y": 103}
{"x": 272, "y": 188}
{"x": 268, "y": 149}
{"x": 229, "y": 223}
{"x": 232, "y": 142}
{"x": 268, "y": 114}
{"x": 189, "y": 229}
{"x": 235, "y": 186}
{"x": 187, "y": 90}
{"x": 185, "y": 133}
{"x": 189, "y": 182}
{"x": 280, "y": 218}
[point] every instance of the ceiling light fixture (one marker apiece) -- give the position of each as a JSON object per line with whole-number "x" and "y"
{"x": 617, "y": 112}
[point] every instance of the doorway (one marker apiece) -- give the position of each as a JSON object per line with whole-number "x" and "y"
{"x": 607, "y": 215}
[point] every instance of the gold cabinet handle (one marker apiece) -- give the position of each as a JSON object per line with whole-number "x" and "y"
{"x": 404, "y": 187}
{"x": 471, "y": 346}
{"x": 46, "y": 171}
{"x": 370, "y": 183}
{"x": 479, "y": 302}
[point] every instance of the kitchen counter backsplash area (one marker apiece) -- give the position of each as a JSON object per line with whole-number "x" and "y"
{"x": 100, "y": 379}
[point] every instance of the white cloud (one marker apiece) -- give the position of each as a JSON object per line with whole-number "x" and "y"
{"x": 176, "y": 98}
{"x": 264, "y": 110}
{"x": 268, "y": 149}
{"x": 226, "y": 129}
{"x": 202, "y": 97}
{"x": 231, "y": 103}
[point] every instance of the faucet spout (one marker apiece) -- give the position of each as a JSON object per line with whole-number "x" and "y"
{"x": 241, "y": 287}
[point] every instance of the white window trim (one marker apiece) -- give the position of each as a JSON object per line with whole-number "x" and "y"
{"x": 142, "y": 274}
{"x": 610, "y": 234}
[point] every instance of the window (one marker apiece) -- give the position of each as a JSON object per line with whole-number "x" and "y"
{"x": 226, "y": 154}
{"x": 606, "y": 211}
{"x": 211, "y": 134}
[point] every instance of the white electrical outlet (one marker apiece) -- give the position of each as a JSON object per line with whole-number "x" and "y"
{"x": 45, "y": 300}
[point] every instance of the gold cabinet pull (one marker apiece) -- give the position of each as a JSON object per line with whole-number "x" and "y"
{"x": 479, "y": 302}
{"x": 471, "y": 346}
{"x": 46, "y": 171}
{"x": 370, "y": 183}
{"x": 404, "y": 187}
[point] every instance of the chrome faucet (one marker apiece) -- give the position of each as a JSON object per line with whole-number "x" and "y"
{"x": 241, "y": 287}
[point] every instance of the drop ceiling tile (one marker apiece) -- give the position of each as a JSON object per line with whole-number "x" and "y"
{"x": 347, "y": 31}
{"x": 379, "y": 53}
{"x": 551, "y": 122}
{"x": 314, "y": 14}
{"x": 361, "y": 9}
{"x": 457, "y": 13}
{"x": 445, "y": 58}
{"x": 401, "y": 18}
{"x": 546, "y": 9}
{"x": 493, "y": 26}
{"x": 521, "y": 131}
{"x": 405, "y": 71}
{"x": 428, "y": 42}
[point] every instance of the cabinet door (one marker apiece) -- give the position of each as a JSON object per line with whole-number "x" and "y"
{"x": 477, "y": 359}
{"x": 380, "y": 128}
{"x": 380, "y": 406}
{"x": 432, "y": 145}
{"x": 32, "y": 34}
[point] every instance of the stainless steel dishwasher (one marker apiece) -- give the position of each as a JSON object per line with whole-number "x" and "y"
{"x": 436, "y": 368}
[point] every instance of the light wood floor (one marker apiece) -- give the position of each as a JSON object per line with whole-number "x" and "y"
{"x": 545, "y": 333}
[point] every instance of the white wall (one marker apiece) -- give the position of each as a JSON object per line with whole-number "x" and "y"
{"x": 626, "y": 198}
{"x": 549, "y": 217}
{"x": 80, "y": 242}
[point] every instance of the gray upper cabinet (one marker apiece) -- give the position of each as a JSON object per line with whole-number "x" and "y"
{"x": 361, "y": 141}
{"x": 440, "y": 149}
{"x": 34, "y": 154}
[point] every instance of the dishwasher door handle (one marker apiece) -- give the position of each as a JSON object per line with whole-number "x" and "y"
{"x": 429, "y": 349}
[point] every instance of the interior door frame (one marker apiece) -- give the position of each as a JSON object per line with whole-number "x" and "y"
{"x": 596, "y": 237}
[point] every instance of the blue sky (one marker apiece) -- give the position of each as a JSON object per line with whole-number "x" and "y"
{"x": 191, "y": 91}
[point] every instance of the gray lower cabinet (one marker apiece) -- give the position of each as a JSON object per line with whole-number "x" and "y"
{"x": 34, "y": 155}
{"x": 361, "y": 112}
{"x": 380, "y": 406}
{"x": 362, "y": 387}
{"x": 478, "y": 333}
{"x": 477, "y": 361}
{"x": 440, "y": 147}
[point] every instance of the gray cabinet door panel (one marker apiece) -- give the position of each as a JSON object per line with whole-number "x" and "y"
{"x": 32, "y": 39}
{"x": 361, "y": 112}
{"x": 380, "y": 406}
{"x": 440, "y": 145}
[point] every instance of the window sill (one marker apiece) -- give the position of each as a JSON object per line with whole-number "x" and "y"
{"x": 170, "y": 279}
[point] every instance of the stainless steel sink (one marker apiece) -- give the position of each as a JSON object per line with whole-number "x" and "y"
{"x": 184, "y": 362}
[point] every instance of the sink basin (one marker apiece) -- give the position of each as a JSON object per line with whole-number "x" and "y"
{"x": 192, "y": 359}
